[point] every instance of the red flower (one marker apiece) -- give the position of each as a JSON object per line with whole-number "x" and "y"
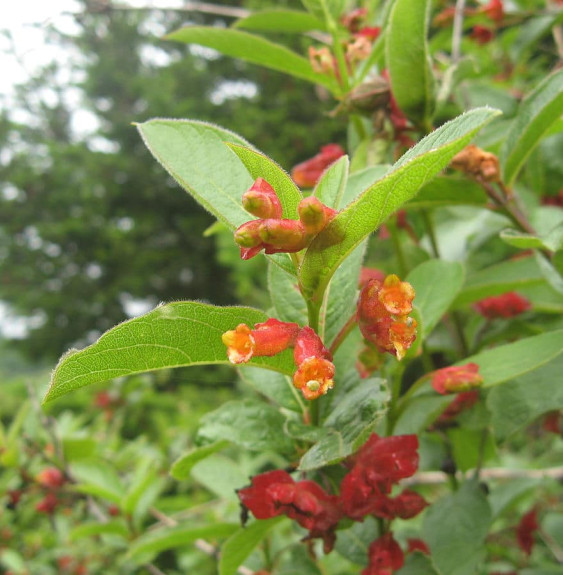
{"x": 266, "y": 339}
{"x": 456, "y": 378}
{"x": 385, "y": 556}
{"x": 307, "y": 174}
{"x": 381, "y": 462}
{"x": 525, "y": 531}
{"x": 417, "y": 545}
{"x": 503, "y": 306}
{"x": 50, "y": 477}
{"x": 367, "y": 274}
{"x": 494, "y": 10}
{"x": 276, "y": 493}
{"x": 48, "y": 504}
{"x": 262, "y": 201}
{"x": 482, "y": 34}
{"x": 462, "y": 402}
{"x": 370, "y": 32}
{"x": 552, "y": 422}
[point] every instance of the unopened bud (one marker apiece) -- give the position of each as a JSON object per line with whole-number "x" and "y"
{"x": 282, "y": 235}
{"x": 248, "y": 235}
{"x": 314, "y": 215}
{"x": 262, "y": 201}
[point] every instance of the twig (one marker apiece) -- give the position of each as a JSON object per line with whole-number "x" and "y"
{"x": 457, "y": 30}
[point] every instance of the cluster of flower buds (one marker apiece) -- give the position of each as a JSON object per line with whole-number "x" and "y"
{"x": 315, "y": 370}
{"x": 365, "y": 490}
{"x": 308, "y": 173}
{"x": 50, "y": 479}
{"x": 271, "y": 232}
{"x": 503, "y": 306}
{"x": 382, "y": 315}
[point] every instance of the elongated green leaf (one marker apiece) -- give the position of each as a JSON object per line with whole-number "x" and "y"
{"x": 195, "y": 155}
{"x": 448, "y": 191}
{"x": 521, "y": 240}
{"x": 536, "y": 114}
{"x": 436, "y": 283}
{"x": 417, "y": 564}
{"x": 455, "y": 528}
{"x": 172, "y": 335}
{"x": 182, "y": 467}
{"x": 379, "y": 201}
{"x": 315, "y": 7}
{"x": 330, "y": 188}
{"x": 353, "y": 543}
{"x": 241, "y": 544}
{"x": 349, "y": 424}
{"x": 518, "y": 402}
{"x": 220, "y": 475}
{"x": 260, "y": 166}
{"x": 284, "y": 292}
{"x": 275, "y": 386}
{"x": 253, "y": 425}
{"x": 361, "y": 180}
{"x": 154, "y": 542}
{"x": 98, "y": 478}
{"x": 96, "y": 528}
{"x": 408, "y": 60}
{"x": 254, "y": 49}
{"x": 280, "y": 21}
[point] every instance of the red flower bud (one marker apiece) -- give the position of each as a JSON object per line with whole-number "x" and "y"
{"x": 248, "y": 235}
{"x": 456, "y": 378}
{"x": 307, "y": 174}
{"x": 314, "y": 215}
{"x": 262, "y": 201}
{"x": 417, "y": 545}
{"x": 370, "y": 32}
{"x": 385, "y": 556}
{"x": 463, "y": 401}
{"x": 50, "y": 477}
{"x": 503, "y": 306}
{"x": 282, "y": 236}
{"x": 309, "y": 344}
{"x": 48, "y": 504}
{"x": 315, "y": 370}
{"x": 482, "y": 34}
{"x": 266, "y": 339}
{"x": 494, "y": 10}
{"x": 525, "y": 531}
{"x": 354, "y": 18}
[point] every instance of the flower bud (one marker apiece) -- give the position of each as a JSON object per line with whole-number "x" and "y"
{"x": 307, "y": 173}
{"x": 314, "y": 215}
{"x": 507, "y": 305}
{"x": 282, "y": 236}
{"x": 248, "y": 235}
{"x": 456, "y": 378}
{"x": 50, "y": 477}
{"x": 262, "y": 201}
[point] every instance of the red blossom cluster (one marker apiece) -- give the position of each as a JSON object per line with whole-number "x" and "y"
{"x": 271, "y": 232}
{"x": 502, "y": 306}
{"x": 308, "y": 173}
{"x": 315, "y": 370}
{"x": 382, "y": 315}
{"x": 365, "y": 489}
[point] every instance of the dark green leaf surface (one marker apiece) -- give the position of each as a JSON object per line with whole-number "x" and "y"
{"x": 280, "y": 21}
{"x": 408, "y": 60}
{"x": 387, "y": 195}
{"x": 172, "y": 335}
{"x": 254, "y": 49}
{"x": 195, "y": 155}
{"x": 254, "y": 425}
{"x": 241, "y": 544}
{"x": 536, "y": 114}
{"x": 353, "y": 543}
{"x": 455, "y": 528}
{"x": 182, "y": 467}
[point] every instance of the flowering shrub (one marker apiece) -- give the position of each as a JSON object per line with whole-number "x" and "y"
{"x": 347, "y": 415}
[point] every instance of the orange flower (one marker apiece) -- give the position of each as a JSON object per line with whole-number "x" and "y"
{"x": 314, "y": 377}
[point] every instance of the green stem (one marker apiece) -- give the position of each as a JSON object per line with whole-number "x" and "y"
{"x": 398, "y": 248}
{"x": 430, "y": 230}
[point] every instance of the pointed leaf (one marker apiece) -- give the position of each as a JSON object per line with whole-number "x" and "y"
{"x": 254, "y": 49}
{"x": 241, "y": 544}
{"x": 116, "y": 527}
{"x": 260, "y": 166}
{"x": 330, "y": 188}
{"x": 277, "y": 20}
{"x": 387, "y": 195}
{"x": 536, "y": 114}
{"x": 408, "y": 59}
{"x": 172, "y": 335}
{"x": 182, "y": 467}
{"x": 275, "y": 386}
{"x": 288, "y": 303}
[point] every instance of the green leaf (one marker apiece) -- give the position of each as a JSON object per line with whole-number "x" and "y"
{"x": 536, "y": 114}
{"x": 254, "y": 425}
{"x": 519, "y": 402}
{"x": 315, "y": 7}
{"x": 288, "y": 303}
{"x": 515, "y": 359}
{"x": 195, "y": 155}
{"x": 364, "y": 215}
{"x": 220, "y": 475}
{"x": 172, "y": 335}
{"x": 241, "y": 544}
{"x": 506, "y": 493}
{"x": 254, "y": 49}
{"x": 499, "y": 279}
{"x": 408, "y": 59}
{"x": 144, "y": 477}
{"x": 260, "y": 166}
{"x": 353, "y": 543}
{"x": 436, "y": 284}
{"x": 521, "y": 240}
{"x": 417, "y": 564}
{"x": 362, "y": 179}
{"x": 280, "y": 21}
{"x": 448, "y": 191}
{"x": 154, "y": 542}
{"x": 182, "y": 467}
{"x": 330, "y": 188}
{"x": 98, "y": 478}
{"x": 75, "y": 448}
{"x": 348, "y": 426}
{"x": 455, "y": 528}
{"x": 117, "y": 527}
{"x": 420, "y": 412}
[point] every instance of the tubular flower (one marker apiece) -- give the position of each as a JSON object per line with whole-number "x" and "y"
{"x": 456, "y": 378}
{"x": 315, "y": 370}
{"x": 385, "y": 556}
{"x": 276, "y": 493}
{"x": 382, "y": 315}
{"x": 266, "y": 339}
{"x": 314, "y": 215}
{"x": 262, "y": 201}
{"x": 503, "y": 306}
{"x": 307, "y": 173}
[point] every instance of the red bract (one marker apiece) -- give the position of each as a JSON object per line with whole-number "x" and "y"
{"x": 525, "y": 531}
{"x": 381, "y": 462}
{"x": 266, "y": 339}
{"x": 503, "y": 306}
{"x": 385, "y": 556}
{"x": 262, "y": 201}
{"x": 417, "y": 545}
{"x": 307, "y": 174}
{"x": 371, "y": 32}
{"x": 482, "y": 34}
{"x": 456, "y": 378}
{"x": 494, "y": 10}
{"x": 276, "y": 493}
